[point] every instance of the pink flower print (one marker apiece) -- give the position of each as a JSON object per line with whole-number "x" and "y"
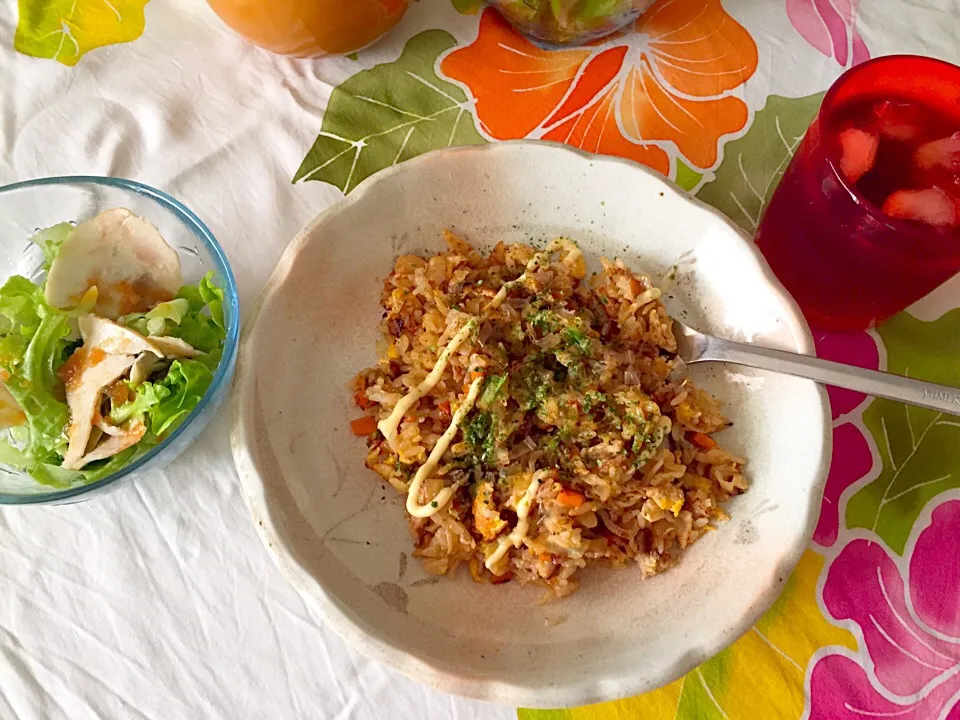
{"x": 851, "y": 461}
{"x": 831, "y": 27}
{"x": 841, "y": 690}
{"x": 858, "y": 349}
{"x": 935, "y": 572}
{"x": 911, "y": 635}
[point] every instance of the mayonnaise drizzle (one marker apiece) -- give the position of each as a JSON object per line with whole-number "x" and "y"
{"x": 391, "y": 423}
{"x": 388, "y": 426}
{"x": 519, "y": 532}
{"x": 439, "y": 449}
{"x": 532, "y": 265}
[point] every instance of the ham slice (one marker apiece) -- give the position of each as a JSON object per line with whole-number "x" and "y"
{"x": 123, "y": 256}
{"x": 142, "y": 368}
{"x": 173, "y": 347}
{"x": 115, "y": 339}
{"x": 94, "y": 371}
{"x": 130, "y": 434}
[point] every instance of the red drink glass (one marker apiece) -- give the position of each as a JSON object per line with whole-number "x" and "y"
{"x": 848, "y": 264}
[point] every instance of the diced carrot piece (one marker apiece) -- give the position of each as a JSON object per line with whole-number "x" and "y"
{"x": 570, "y": 498}
{"x": 703, "y": 441}
{"x": 444, "y": 408}
{"x": 363, "y": 401}
{"x": 363, "y": 426}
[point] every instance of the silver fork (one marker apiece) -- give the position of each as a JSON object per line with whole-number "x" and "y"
{"x": 693, "y": 347}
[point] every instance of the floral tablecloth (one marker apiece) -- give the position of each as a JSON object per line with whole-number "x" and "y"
{"x": 159, "y": 602}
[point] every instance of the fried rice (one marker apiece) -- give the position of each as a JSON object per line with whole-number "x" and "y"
{"x": 539, "y": 420}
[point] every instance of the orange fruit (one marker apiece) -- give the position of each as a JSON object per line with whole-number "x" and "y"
{"x": 310, "y": 28}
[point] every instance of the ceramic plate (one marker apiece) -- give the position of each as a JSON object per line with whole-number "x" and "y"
{"x": 338, "y": 532}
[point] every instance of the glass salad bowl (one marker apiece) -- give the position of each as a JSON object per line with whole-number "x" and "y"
{"x": 569, "y": 22}
{"x": 26, "y": 208}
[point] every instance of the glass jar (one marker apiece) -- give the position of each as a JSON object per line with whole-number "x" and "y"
{"x": 310, "y": 28}
{"x": 569, "y": 22}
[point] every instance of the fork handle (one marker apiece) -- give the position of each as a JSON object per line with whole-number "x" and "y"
{"x": 930, "y": 395}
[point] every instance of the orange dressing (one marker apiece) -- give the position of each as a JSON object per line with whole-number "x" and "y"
{"x": 71, "y": 372}
{"x": 72, "y": 369}
{"x": 123, "y": 297}
{"x": 118, "y": 392}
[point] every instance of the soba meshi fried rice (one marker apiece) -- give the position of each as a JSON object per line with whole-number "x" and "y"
{"x": 538, "y": 420}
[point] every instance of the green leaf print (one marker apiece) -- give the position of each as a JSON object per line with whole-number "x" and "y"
{"x": 753, "y": 164}
{"x": 467, "y": 7}
{"x": 919, "y": 449}
{"x": 687, "y": 177}
{"x": 64, "y": 30}
{"x": 388, "y": 114}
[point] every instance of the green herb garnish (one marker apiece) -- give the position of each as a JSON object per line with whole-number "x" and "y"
{"x": 578, "y": 338}
{"x": 480, "y": 434}
{"x": 492, "y": 389}
{"x": 545, "y": 321}
{"x": 590, "y": 399}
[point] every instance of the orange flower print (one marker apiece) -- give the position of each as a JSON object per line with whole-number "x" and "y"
{"x": 664, "y": 89}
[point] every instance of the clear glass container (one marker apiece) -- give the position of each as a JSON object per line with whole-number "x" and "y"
{"x": 847, "y": 263}
{"x": 29, "y": 206}
{"x": 569, "y": 22}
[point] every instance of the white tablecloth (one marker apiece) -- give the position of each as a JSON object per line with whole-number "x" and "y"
{"x": 159, "y": 601}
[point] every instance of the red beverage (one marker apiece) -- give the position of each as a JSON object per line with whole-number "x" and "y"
{"x": 865, "y": 221}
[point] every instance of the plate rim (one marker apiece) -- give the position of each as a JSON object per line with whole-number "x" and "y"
{"x": 351, "y": 629}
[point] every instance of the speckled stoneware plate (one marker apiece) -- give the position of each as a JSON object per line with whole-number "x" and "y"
{"x": 338, "y": 533}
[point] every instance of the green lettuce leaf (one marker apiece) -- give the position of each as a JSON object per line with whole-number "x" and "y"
{"x": 161, "y": 319}
{"x": 49, "y": 241}
{"x": 166, "y": 403}
{"x": 61, "y": 478}
{"x": 33, "y": 344}
{"x": 195, "y": 316}
{"x": 147, "y": 397}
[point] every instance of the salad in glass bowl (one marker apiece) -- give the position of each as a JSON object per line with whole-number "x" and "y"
{"x": 105, "y": 352}
{"x": 569, "y": 22}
